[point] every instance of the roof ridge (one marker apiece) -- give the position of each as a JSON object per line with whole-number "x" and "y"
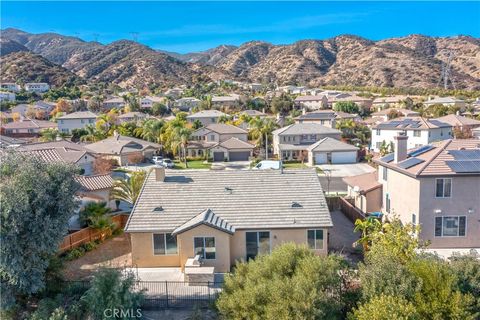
{"x": 434, "y": 157}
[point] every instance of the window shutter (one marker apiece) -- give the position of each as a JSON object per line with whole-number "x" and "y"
{"x": 462, "y": 226}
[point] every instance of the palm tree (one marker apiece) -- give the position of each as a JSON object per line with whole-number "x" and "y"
{"x": 49, "y": 134}
{"x": 260, "y": 130}
{"x": 366, "y": 227}
{"x": 128, "y": 189}
{"x": 150, "y": 130}
{"x": 97, "y": 216}
{"x": 180, "y": 141}
{"x": 92, "y": 134}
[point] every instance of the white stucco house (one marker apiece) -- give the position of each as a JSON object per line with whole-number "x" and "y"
{"x": 37, "y": 87}
{"x": 76, "y": 120}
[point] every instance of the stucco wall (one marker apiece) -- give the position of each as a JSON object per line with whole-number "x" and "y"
{"x": 142, "y": 252}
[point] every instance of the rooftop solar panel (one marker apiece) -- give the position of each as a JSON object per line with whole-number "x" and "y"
{"x": 465, "y": 154}
{"x": 405, "y": 164}
{"x": 464, "y": 166}
{"x": 387, "y": 158}
{"x": 420, "y": 150}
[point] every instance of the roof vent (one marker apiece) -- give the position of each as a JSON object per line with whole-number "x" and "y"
{"x": 228, "y": 190}
{"x": 158, "y": 209}
{"x": 296, "y": 205}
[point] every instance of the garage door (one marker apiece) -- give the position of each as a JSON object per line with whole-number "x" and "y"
{"x": 320, "y": 158}
{"x": 218, "y": 156}
{"x": 239, "y": 155}
{"x": 344, "y": 157}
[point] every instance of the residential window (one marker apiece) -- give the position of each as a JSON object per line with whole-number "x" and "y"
{"x": 378, "y": 145}
{"x": 61, "y": 121}
{"x": 378, "y": 132}
{"x": 450, "y": 226}
{"x": 204, "y": 247}
{"x": 91, "y": 121}
{"x": 443, "y": 188}
{"x": 212, "y": 137}
{"x": 387, "y": 202}
{"x": 315, "y": 239}
{"x": 213, "y": 120}
{"x": 304, "y": 137}
{"x": 385, "y": 173}
{"x": 441, "y": 133}
{"x": 417, "y": 133}
{"x": 312, "y": 137}
{"x": 164, "y": 243}
{"x": 82, "y": 121}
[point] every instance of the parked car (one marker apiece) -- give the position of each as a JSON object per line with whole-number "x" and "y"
{"x": 156, "y": 159}
{"x": 166, "y": 163}
{"x": 268, "y": 164}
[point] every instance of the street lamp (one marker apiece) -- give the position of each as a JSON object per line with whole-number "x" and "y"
{"x": 328, "y": 175}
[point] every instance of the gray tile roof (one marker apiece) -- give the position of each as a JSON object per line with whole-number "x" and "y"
{"x": 96, "y": 182}
{"x": 79, "y": 115}
{"x": 206, "y": 114}
{"x": 208, "y": 218}
{"x": 306, "y": 128}
{"x": 246, "y": 199}
{"x": 235, "y": 143}
{"x": 330, "y": 144}
{"x": 223, "y": 128}
{"x": 120, "y": 144}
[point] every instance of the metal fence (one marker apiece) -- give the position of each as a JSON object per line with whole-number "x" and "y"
{"x": 170, "y": 294}
{"x": 178, "y": 294}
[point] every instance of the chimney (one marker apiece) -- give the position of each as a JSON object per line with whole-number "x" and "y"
{"x": 159, "y": 174}
{"x": 400, "y": 152}
{"x": 304, "y": 110}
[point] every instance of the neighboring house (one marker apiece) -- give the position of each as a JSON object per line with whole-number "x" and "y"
{"x": 174, "y": 93}
{"x": 364, "y": 192}
{"x": 420, "y": 130}
{"x": 226, "y": 216}
{"x": 446, "y": 101}
{"x": 37, "y": 87}
{"x": 382, "y": 115}
{"x": 436, "y": 187}
{"x": 327, "y": 118}
{"x": 292, "y": 142}
{"x": 366, "y": 103}
{"x": 26, "y": 128}
{"x": 186, "y": 104}
{"x": 390, "y": 102}
{"x": 10, "y": 143}
{"x": 459, "y": 121}
{"x": 312, "y": 102}
{"x": 255, "y": 86}
{"x": 148, "y": 101}
{"x": 221, "y": 142}
{"x": 95, "y": 188}
{"x": 21, "y": 109}
{"x": 7, "y": 96}
{"x": 114, "y": 103}
{"x": 331, "y": 151}
{"x": 253, "y": 113}
{"x": 62, "y": 151}
{"x": 76, "y": 120}
{"x": 132, "y": 116}
{"x": 476, "y": 133}
{"x": 225, "y": 101}
{"x": 46, "y": 106}
{"x": 123, "y": 148}
{"x": 206, "y": 117}
{"x": 10, "y": 86}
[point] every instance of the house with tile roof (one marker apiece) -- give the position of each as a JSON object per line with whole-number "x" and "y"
{"x": 206, "y": 117}
{"x": 364, "y": 192}
{"x": 331, "y": 151}
{"x": 114, "y": 102}
{"x": 225, "y": 216}
{"x": 123, "y": 149}
{"x": 95, "y": 188}
{"x": 292, "y": 142}
{"x": 220, "y": 142}
{"x": 148, "y": 101}
{"x": 461, "y": 122}
{"x": 26, "y": 128}
{"x": 446, "y": 101}
{"x": 76, "y": 120}
{"x": 328, "y": 118}
{"x": 421, "y": 131}
{"x": 382, "y": 115}
{"x": 312, "y": 102}
{"x": 437, "y": 187}
{"x": 132, "y": 116}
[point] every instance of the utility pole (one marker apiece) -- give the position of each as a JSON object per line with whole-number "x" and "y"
{"x": 266, "y": 146}
{"x": 446, "y": 73}
{"x": 134, "y": 35}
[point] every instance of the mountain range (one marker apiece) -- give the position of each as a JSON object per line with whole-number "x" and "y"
{"x": 412, "y": 61}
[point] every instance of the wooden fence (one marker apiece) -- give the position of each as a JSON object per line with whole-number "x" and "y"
{"x": 77, "y": 238}
{"x": 342, "y": 204}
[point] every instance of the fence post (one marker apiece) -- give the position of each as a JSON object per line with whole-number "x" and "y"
{"x": 208, "y": 286}
{"x": 166, "y": 291}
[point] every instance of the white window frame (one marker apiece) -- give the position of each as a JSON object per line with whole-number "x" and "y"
{"x": 417, "y": 133}
{"x": 165, "y": 242}
{"x": 458, "y": 231}
{"x": 443, "y": 191}
{"x": 377, "y": 132}
{"x": 204, "y": 256}
{"x": 315, "y": 240}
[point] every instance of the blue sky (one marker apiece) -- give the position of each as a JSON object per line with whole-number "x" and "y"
{"x": 195, "y": 26}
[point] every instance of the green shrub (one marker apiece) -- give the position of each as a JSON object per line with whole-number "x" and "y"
{"x": 89, "y": 246}
{"x": 74, "y": 253}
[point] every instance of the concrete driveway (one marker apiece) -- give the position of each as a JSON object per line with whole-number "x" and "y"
{"x": 347, "y": 170}
{"x": 232, "y": 165}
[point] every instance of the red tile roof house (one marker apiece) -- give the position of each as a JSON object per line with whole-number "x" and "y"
{"x": 436, "y": 186}
{"x": 25, "y": 128}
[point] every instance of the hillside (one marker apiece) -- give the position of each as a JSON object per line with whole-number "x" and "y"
{"x": 29, "y": 67}
{"x": 413, "y": 61}
{"x": 8, "y": 46}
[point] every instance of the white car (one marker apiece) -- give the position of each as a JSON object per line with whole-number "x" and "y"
{"x": 268, "y": 164}
{"x": 166, "y": 163}
{"x": 156, "y": 159}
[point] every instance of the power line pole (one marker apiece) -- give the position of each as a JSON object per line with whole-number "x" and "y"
{"x": 446, "y": 74}
{"x": 134, "y": 35}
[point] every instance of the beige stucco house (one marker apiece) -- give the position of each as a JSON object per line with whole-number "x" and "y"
{"x": 206, "y": 117}
{"x": 225, "y": 216}
{"x": 364, "y": 192}
{"x": 437, "y": 187}
{"x": 76, "y": 120}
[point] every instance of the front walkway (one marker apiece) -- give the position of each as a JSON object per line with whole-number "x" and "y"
{"x": 114, "y": 253}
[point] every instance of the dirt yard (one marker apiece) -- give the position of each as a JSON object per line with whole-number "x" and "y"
{"x": 115, "y": 252}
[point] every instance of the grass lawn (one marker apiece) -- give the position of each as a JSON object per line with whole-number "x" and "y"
{"x": 192, "y": 164}
{"x": 295, "y": 165}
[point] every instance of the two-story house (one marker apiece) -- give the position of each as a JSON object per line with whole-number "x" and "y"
{"x": 148, "y": 101}
{"x": 230, "y": 101}
{"x": 328, "y": 118}
{"x": 312, "y": 102}
{"x": 114, "y": 102}
{"x": 206, "y": 117}
{"x": 221, "y": 142}
{"x": 420, "y": 131}
{"x": 10, "y": 86}
{"x": 437, "y": 187}
{"x": 76, "y": 120}
{"x": 26, "y": 128}
{"x": 187, "y": 103}
{"x": 292, "y": 142}
{"x": 7, "y": 96}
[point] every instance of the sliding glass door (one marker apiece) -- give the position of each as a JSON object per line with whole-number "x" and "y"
{"x": 257, "y": 242}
